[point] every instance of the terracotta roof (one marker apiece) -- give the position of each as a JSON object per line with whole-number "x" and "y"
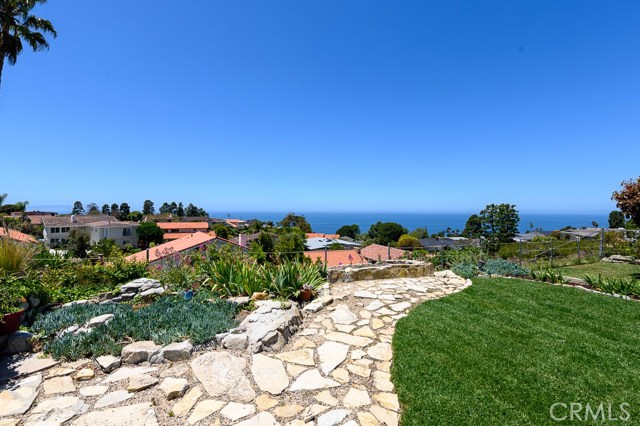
{"x": 167, "y": 249}
{"x": 184, "y": 225}
{"x": 176, "y": 235}
{"x": 319, "y": 235}
{"x": 337, "y": 257}
{"x": 18, "y": 236}
{"x": 377, "y": 252}
{"x": 80, "y": 220}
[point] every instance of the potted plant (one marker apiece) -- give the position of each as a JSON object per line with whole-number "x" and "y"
{"x": 12, "y": 309}
{"x": 306, "y": 292}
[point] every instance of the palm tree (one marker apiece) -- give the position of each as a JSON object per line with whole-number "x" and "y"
{"x": 17, "y": 24}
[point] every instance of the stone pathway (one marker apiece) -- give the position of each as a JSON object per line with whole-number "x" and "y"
{"x": 334, "y": 371}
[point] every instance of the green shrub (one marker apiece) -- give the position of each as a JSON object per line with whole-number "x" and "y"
{"x": 15, "y": 256}
{"x": 465, "y": 270}
{"x": 451, "y": 257}
{"x": 503, "y": 268}
{"x": 547, "y": 275}
{"x": 623, "y": 286}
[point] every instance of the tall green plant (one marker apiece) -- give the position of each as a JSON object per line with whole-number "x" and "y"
{"x": 15, "y": 256}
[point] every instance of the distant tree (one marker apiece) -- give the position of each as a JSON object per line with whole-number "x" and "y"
{"x": 165, "y": 208}
{"x": 77, "y": 208}
{"x": 180, "y": 210}
{"x": 115, "y": 210}
{"x": 92, "y": 208}
{"x": 147, "y": 207}
{"x": 221, "y": 230}
{"x": 290, "y": 246}
{"x": 174, "y": 208}
{"x": 616, "y": 219}
{"x": 191, "y": 210}
{"x": 499, "y": 224}
{"x": 407, "y": 241}
{"x": 350, "y": 231}
{"x": 387, "y": 232}
{"x": 79, "y": 243}
{"x": 105, "y": 209}
{"x": 21, "y": 206}
{"x": 292, "y": 220}
{"x": 473, "y": 227}
{"x": 628, "y": 200}
{"x": 2, "y": 198}
{"x": 124, "y": 211}
{"x": 107, "y": 248}
{"x": 149, "y": 232}
{"x": 420, "y": 233}
{"x": 18, "y": 26}
{"x": 135, "y": 216}
{"x": 595, "y": 224}
{"x": 267, "y": 243}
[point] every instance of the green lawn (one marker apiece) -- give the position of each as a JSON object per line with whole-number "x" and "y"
{"x": 613, "y": 270}
{"x": 503, "y": 351}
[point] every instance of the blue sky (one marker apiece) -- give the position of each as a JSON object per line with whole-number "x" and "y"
{"x": 415, "y": 106}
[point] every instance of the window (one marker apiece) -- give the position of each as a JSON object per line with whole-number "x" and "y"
{"x": 125, "y": 242}
{"x": 55, "y": 230}
{"x": 126, "y": 232}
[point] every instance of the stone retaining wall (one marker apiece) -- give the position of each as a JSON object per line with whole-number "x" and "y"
{"x": 386, "y": 270}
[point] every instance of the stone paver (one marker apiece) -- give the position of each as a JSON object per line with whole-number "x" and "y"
{"x": 334, "y": 371}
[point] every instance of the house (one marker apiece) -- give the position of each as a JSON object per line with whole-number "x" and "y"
{"x": 574, "y": 234}
{"x": 336, "y": 257}
{"x": 245, "y": 240}
{"x": 376, "y": 253}
{"x": 319, "y": 235}
{"x": 123, "y": 233}
{"x": 17, "y": 235}
{"x": 175, "y": 230}
{"x": 435, "y": 244}
{"x": 236, "y": 223}
{"x": 32, "y": 213}
{"x": 57, "y": 228}
{"x": 322, "y": 243}
{"x": 527, "y": 237}
{"x": 197, "y": 241}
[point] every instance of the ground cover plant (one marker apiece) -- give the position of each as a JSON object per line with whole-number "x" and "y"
{"x": 606, "y": 269}
{"x": 170, "y": 319}
{"x": 504, "y": 350}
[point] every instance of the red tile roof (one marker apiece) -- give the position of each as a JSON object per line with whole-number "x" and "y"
{"x": 377, "y": 252}
{"x": 319, "y": 235}
{"x": 167, "y": 249}
{"x": 337, "y": 257}
{"x": 202, "y": 226}
{"x": 18, "y": 236}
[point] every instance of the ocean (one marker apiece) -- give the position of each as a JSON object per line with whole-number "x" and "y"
{"x": 328, "y": 223}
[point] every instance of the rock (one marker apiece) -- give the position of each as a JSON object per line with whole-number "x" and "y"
{"x": 341, "y": 375}
{"x": 265, "y": 402}
{"x": 399, "y": 307}
{"x": 314, "y": 306}
{"x": 176, "y": 370}
{"x": 269, "y": 374}
{"x": 138, "y": 352}
{"x": 375, "y": 305}
{"x": 286, "y": 411}
{"x": 376, "y": 323}
{"x": 385, "y": 417}
{"x": 326, "y": 398}
{"x": 9, "y": 422}
{"x": 183, "y": 406}
{"x": 85, "y": 374}
{"x": 57, "y": 385}
{"x": 236, "y": 341}
{"x": 359, "y": 370}
{"x": 356, "y": 398}
{"x": 18, "y": 400}
{"x": 262, "y": 419}
{"x": 151, "y": 292}
{"x": 260, "y": 295}
{"x": 140, "y": 285}
{"x": 114, "y": 397}
{"x": 365, "y": 294}
{"x": 311, "y": 380}
{"x": 141, "y": 382}
{"x": 235, "y": 411}
{"x": 300, "y": 357}
{"x": 365, "y": 332}
{"x": 223, "y": 374}
{"x": 382, "y": 381}
{"x": 126, "y": 373}
{"x": 94, "y": 390}
{"x": 56, "y": 411}
{"x": 240, "y": 300}
{"x": 60, "y": 371}
{"x": 16, "y": 343}
{"x": 295, "y": 370}
{"x": 332, "y": 418}
{"x": 108, "y": 363}
{"x": 269, "y": 327}
{"x": 99, "y": 320}
{"x": 388, "y": 400}
{"x": 342, "y": 315}
{"x": 130, "y": 415}
{"x": 348, "y": 339}
{"x": 367, "y": 419}
{"x": 76, "y": 302}
{"x": 331, "y": 355}
{"x": 380, "y": 351}
{"x": 204, "y": 409}
{"x": 174, "y": 388}
{"x": 312, "y": 411}
{"x": 178, "y": 351}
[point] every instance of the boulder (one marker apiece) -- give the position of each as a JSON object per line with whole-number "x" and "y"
{"x": 108, "y": 363}
{"x": 138, "y": 352}
{"x": 178, "y": 351}
{"x": 15, "y": 343}
{"x": 269, "y": 327}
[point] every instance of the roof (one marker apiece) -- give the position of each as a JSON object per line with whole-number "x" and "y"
{"x": 444, "y": 242}
{"x": 80, "y": 220}
{"x": 584, "y": 233}
{"x": 245, "y": 239}
{"x": 167, "y": 249}
{"x": 113, "y": 224}
{"x": 321, "y": 243}
{"x": 377, "y": 252}
{"x": 18, "y": 236}
{"x": 183, "y": 225}
{"x": 319, "y": 235}
{"x": 337, "y": 257}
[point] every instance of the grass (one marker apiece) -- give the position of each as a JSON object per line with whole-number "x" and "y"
{"x": 504, "y": 350}
{"x": 609, "y": 270}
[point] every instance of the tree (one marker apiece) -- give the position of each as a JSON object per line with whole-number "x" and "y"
{"x": 499, "y": 224}
{"x": 180, "y": 210}
{"x": 147, "y": 207}
{"x": 2, "y": 198}
{"x": 628, "y": 200}
{"x": 107, "y": 248}
{"x": 290, "y": 246}
{"x": 350, "y": 231}
{"x": 407, "y": 241}
{"x": 135, "y": 216}
{"x": 105, "y": 209}
{"x": 77, "y": 208}
{"x": 292, "y": 220}
{"x": 420, "y": 233}
{"x": 616, "y": 219}
{"x": 221, "y": 230}
{"x": 387, "y": 232}
{"x": 115, "y": 210}
{"x": 473, "y": 227}
{"x": 149, "y": 232}
{"x": 124, "y": 211}
{"x": 174, "y": 207}
{"x": 165, "y": 208}
{"x": 79, "y": 242}
{"x": 18, "y": 25}
{"x": 92, "y": 208}
{"x": 594, "y": 224}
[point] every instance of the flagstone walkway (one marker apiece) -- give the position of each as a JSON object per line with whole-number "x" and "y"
{"x": 334, "y": 371}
